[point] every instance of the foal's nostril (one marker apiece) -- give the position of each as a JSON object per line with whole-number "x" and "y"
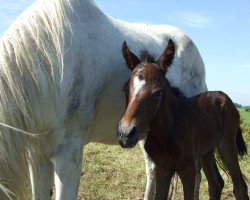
{"x": 132, "y": 132}
{"x": 119, "y": 130}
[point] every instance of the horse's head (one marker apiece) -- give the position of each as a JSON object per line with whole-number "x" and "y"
{"x": 143, "y": 93}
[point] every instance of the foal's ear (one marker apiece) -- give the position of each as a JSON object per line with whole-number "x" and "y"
{"x": 167, "y": 57}
{"x": 131, "y": 59}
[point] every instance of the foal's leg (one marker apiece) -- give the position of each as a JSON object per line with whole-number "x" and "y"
{"x": 151, "y": 186}
{"x": 228, "y": 153}
{"x": 215, "y": 181}
{"x": 41, "y": 175}
{"x": 150, "y": 172}
{"x": 197, "y": 179}
{"x": 67, "y": 162}
{"x": 163, "y": 180}
{"x": 187, "y": 177}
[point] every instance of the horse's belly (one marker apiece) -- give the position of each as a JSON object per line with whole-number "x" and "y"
{"x": 207, "y": 141}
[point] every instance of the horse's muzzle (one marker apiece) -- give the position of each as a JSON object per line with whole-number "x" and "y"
{"x": 128, "y": 136}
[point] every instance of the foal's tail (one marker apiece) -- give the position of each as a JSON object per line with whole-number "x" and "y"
{"x": 242, "y": 149}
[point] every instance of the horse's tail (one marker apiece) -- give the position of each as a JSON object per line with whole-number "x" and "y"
{"x": 242, "y": 149}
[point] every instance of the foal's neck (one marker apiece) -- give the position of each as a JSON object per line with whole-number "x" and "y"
{"x": 162, "y": 126}
{"x": 161, "y": 142}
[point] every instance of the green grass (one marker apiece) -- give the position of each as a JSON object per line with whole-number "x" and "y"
{"x": 245, "y": 116}
{"x": 113, "y": 173}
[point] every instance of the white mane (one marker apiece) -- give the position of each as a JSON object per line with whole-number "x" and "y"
{"x": 32, "y": 51}
{"x": 32, "y": 48}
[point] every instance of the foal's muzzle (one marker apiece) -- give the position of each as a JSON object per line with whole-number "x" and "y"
{"x": 128, "y": 136}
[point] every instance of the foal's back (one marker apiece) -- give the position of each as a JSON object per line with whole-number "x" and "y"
{"x": 208, "y": 117}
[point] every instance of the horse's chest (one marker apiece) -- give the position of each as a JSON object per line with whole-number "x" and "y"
{"x": 169, "y": 154}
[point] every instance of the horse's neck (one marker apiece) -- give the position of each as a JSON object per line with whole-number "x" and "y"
{"x": 160, "y": 144}
{"x": 163, "y": 124}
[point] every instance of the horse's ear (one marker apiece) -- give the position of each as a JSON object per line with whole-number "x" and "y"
{"x": 131, "y": 59}
{"x": 167, "y": 57}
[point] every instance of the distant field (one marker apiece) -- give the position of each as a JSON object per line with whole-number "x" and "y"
{"x": 245, "y": 116}
{"x": 113, "y": 173}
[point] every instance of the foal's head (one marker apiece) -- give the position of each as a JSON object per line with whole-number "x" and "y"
{"x": 143, "y": 93}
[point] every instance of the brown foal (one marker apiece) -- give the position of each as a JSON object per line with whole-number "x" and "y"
{"x": 181, "y": 131}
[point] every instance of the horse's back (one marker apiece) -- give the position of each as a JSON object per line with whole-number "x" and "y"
{"x": 187, "y": 72}
{"x": 206, "y": 117}
{"x": 215, "y": 100}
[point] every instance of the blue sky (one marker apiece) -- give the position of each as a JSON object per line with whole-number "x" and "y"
{"x": 220, "y": 29}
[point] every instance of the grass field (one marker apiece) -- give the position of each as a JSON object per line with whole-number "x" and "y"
{"x": 245, "y": 116}
{"x": 113, "y": 173}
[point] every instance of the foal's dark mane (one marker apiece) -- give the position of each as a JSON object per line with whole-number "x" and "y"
{"x": 145, "y": 56}
{"x": 176, "y": 91}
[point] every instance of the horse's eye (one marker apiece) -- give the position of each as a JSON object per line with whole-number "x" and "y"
{"x": 157, "y": 93}
{"x": 140, "y": 77}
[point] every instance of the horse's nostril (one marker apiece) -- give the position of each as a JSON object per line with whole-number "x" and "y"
{"x": 119, "y": 131}
{"x": 132, "y": 132}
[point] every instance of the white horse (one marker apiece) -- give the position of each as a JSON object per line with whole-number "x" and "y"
{"x": 61, "y": 78}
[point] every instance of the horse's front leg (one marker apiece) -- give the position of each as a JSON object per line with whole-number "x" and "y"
{"x": 197, "y": 179}
{"x": 41, "y": 175}
{"x": 67, "y": 162}
{"x": 152, "y": 176}
{"x": 163, "y": 180}
{"x": 150, "y": 172}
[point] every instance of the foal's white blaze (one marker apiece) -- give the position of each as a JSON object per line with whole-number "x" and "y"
{"x": 137, "y": 86}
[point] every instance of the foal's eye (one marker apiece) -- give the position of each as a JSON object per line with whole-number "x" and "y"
{"x": 157, "y": 93}
{"x": 140, "y": 77}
